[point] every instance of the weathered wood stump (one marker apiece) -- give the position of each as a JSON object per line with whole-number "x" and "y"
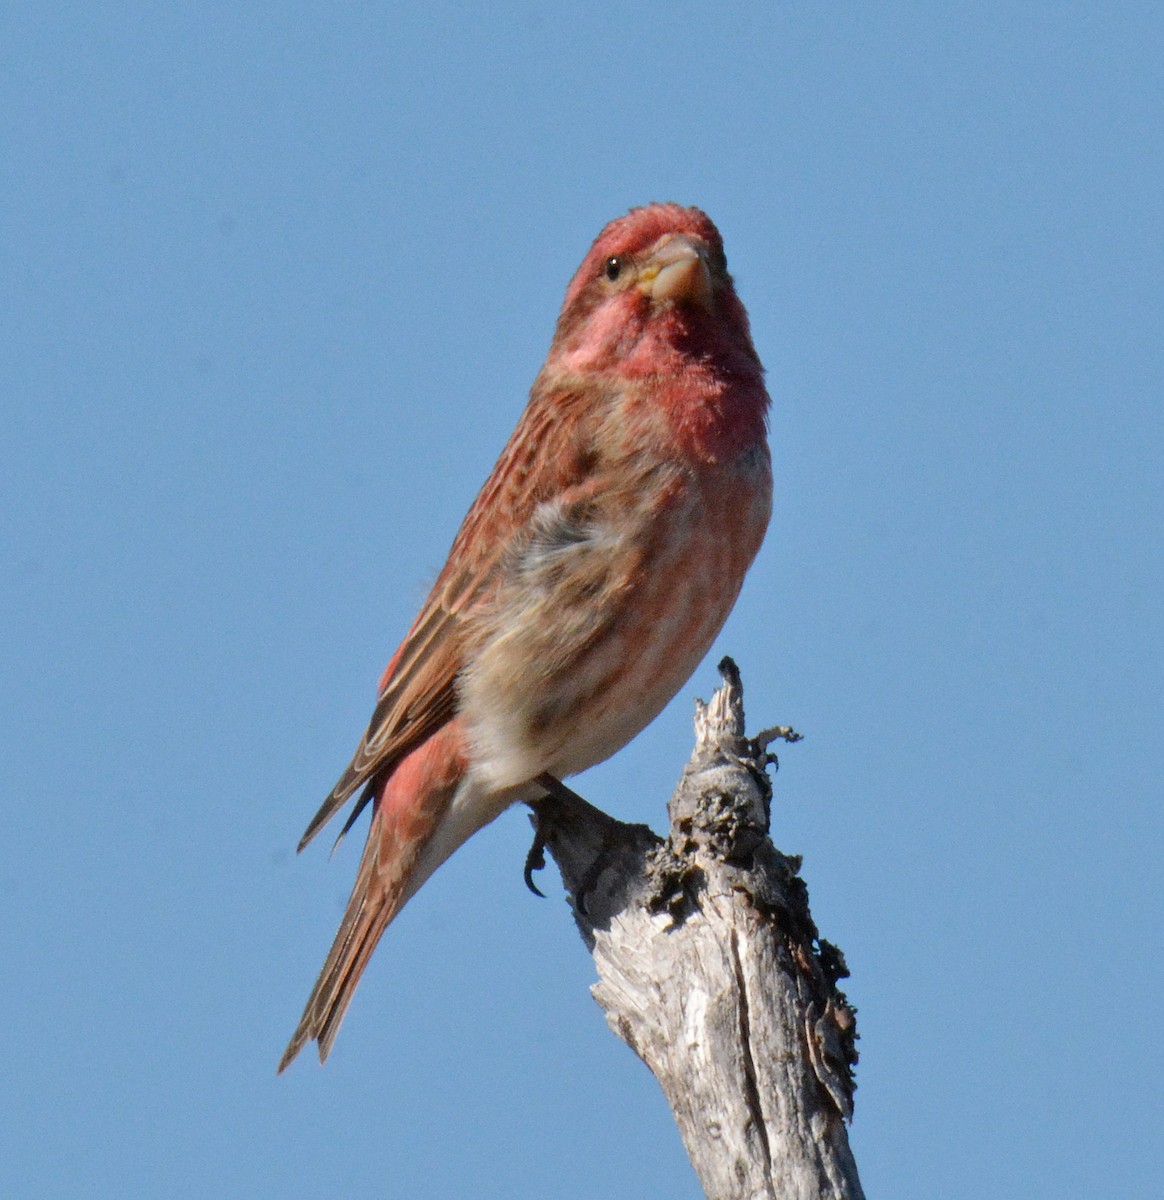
{"x": 712, "y": 971}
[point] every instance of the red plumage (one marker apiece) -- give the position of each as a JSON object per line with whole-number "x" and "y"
{"x": 589, "y": 578}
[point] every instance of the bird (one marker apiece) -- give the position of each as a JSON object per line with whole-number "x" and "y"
{"x": 589, "y": 578}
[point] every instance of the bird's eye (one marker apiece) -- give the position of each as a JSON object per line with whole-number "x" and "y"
{"x": 613, "y": 268}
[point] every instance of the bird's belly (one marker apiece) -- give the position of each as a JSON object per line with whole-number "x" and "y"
{"x": 573, "y": 676}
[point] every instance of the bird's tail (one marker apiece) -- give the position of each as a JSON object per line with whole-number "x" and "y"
{"x": 376, "y": 898}
{"x": 400, "y": 854}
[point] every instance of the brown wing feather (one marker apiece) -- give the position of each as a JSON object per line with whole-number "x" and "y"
{"x": 548, "y": 452}
{"x": 417, "y": 701}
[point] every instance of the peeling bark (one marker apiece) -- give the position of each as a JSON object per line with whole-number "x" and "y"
{"x": 711, "y": 969}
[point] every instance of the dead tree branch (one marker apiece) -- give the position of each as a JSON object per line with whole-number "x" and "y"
{"x": 711, "y": 969}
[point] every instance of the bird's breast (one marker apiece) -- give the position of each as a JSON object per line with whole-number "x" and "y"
{"x": 605, "y": 610}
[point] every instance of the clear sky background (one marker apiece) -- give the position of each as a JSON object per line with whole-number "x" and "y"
{"x": 275, "y": 281}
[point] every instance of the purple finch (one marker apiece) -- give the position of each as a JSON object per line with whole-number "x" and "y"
{"x": 591, "y": 575}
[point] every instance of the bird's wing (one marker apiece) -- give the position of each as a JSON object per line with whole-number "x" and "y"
{"x": 546, "y": 455}
{"x": 419, "y": 697}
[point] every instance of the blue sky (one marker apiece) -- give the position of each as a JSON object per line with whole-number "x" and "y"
{"x": 275, "y": 281}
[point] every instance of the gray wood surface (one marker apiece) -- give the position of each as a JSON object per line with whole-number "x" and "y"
{"x": 710, "y": 967}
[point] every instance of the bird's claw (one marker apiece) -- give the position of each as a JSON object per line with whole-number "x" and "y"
{"x": 535, "y": 860}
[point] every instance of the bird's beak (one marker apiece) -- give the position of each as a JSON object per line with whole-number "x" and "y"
{"x": 677, "y": 271}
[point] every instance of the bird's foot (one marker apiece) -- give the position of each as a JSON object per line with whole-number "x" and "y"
{"x": 535, "y": 860}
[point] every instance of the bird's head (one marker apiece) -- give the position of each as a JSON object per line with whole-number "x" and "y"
{"x": 654, "y": 285}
